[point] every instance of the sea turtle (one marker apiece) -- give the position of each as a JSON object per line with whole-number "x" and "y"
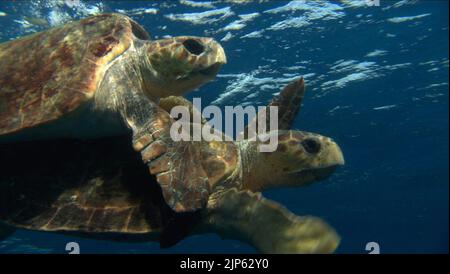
{"x": 99, "y": 188}
{"x": 99, "y": 76}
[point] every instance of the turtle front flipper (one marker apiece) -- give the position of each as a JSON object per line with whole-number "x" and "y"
{"x": 184, "y": 182}
{"x": 266, "y": 225}
{"x": 188, "y": 172}
{"x": 170, "y": 102}
{"x": 288, "y": 103}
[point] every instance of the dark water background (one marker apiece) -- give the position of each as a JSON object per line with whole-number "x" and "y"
{"x": 388, "y": 111}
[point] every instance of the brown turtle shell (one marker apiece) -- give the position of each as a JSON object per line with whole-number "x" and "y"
{"x": 51, "y": 73}
{"x": 98, "y": 186}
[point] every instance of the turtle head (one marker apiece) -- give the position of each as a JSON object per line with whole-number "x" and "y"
{"x": 174, "y": 66}
{"x": 301, "y": 158}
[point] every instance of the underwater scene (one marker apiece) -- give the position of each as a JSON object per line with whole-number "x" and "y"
{"x": 88, "y": 164}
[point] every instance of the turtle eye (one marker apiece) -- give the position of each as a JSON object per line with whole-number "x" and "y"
{"x": 311, "y": 145}
{"x": 193, "y": 46}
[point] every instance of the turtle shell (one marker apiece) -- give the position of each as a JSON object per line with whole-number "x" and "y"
{"x": 92, "y": 187}
{"x": 51, "y": 73}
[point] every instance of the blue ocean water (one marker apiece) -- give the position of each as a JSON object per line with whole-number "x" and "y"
{"x": 377, "y": 79}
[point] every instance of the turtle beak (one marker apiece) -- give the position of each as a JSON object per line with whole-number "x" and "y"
{"x": 211, "y": 71}
{"x": 330, "y": 157}
{"x": 314, "y": 175}
{"x": 219, "y": 57}
{"x": 336, "y": 157}
{"x": 215, "y": 58}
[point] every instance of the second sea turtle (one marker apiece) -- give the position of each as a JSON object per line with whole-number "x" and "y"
{"x": 101, "y": 189}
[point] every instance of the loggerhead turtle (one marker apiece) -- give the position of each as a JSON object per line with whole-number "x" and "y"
{"x": 100, "y": 187}
{"x": 96, "y": 77}
{"x": 99, "y": 76}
